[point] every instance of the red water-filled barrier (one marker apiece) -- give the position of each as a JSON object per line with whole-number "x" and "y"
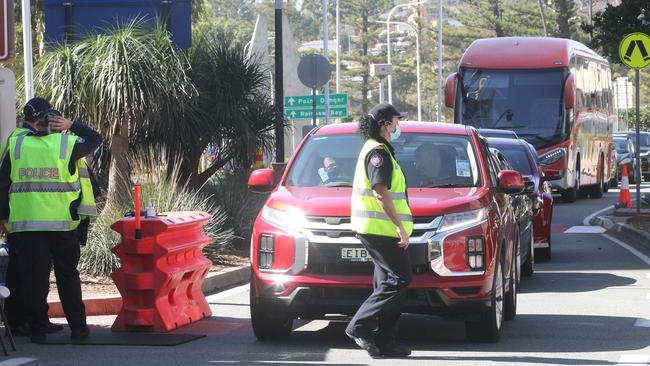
{"x": 162, "y": 272}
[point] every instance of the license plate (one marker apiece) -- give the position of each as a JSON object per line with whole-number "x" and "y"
{"x": 355, "y": 254}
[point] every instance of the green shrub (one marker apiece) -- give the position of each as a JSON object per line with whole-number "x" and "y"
{"x": 230, "y": 191}
{"x": 166, "y": 193}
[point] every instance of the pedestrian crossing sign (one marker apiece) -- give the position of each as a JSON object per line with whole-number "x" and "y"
{"x": 634, "y": 50}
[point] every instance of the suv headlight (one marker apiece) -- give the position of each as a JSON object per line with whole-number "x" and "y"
{"x": 459, "y": 219}
{"x": 551, "y": 157}
{"x": 289, "y": 221}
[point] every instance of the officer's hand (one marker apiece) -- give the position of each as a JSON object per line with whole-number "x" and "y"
{"x": 403, "y": 238}
{"x": 3, "y": 231}
{"x": 58, "y": 123}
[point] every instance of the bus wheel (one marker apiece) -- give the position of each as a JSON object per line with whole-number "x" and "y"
{"x": 598, "y": 189}
{"x": 571, "y": 194}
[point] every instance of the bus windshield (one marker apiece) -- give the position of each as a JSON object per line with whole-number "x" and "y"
{"x": 528, "y": 102}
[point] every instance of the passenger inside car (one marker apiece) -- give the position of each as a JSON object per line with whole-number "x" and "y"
{"x": 329, "y": 170}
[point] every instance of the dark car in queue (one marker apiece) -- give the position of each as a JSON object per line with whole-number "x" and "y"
{"x": 625, "y": 156}
{"x": 523, "y": 209}
{"x": 524, "y": 160}
{"x": 643, "y": 150}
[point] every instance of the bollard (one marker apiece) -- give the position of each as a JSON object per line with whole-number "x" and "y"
{"x": 161, "y": 274}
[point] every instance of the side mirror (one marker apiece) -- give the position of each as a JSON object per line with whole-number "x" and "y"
{"x": 511, "y": 182}
{"x": 450, "y": 90}
{"x": 551, "y": 174}
{"x": 261, "y": 181}
{"x": 569, "y": 92}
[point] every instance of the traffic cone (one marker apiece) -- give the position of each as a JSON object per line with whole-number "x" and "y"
{"x": 624, "y": 198}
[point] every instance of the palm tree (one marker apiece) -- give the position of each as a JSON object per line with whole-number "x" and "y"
{"x": 126, "y": 80}
{"x": 231, "y": 116}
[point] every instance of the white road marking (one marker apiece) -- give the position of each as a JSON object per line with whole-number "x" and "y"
{"x": 277, "y": 362}
{"x": 643, "y": 323}
{"x": 585, "y": 230}
{"x": 17, "y": 361}
{"x": 633, "y": 360}
{"x": 227, "y": 293}
{"x": 587, "y": 220}
{"x": 638, "y": 254}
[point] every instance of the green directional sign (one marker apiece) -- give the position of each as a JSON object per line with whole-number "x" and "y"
{"x": 335, "y": 112}
{"x": 305, "y": 101}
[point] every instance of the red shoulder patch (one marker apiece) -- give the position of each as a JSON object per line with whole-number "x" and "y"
{"x": 376, "y": 160}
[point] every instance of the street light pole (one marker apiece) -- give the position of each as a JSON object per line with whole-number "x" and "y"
{"x": 388, "y": 58}
{"x": 338, "y": 49}
{"x": 279, "y": 84}
{"x": 417, "y": 64}
{"x": 27, "y": 47}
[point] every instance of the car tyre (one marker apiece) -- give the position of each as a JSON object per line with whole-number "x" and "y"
{"x": 488, "y": 328}
{"x": 268, "y": 325}
{"x": 528, "y": 268}
{"x": 510, "y": 304}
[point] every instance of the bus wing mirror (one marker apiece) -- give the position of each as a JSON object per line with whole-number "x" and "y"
{"x": 450, "y": 90}
{"x": 569, "y": 92}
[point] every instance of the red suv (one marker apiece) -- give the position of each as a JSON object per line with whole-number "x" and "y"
{"x": 307, "y": 262}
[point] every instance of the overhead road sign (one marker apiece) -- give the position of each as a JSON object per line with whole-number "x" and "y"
{"x": 634, "y": 50}
{"x": 6, "y": 30}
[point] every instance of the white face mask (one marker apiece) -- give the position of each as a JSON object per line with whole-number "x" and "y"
{"x": 395, "y": 135}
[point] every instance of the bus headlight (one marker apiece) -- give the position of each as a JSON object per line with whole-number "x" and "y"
{"x": 551, "y": 157}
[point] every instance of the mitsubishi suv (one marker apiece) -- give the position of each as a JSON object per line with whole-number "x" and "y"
{"x": 308, "y": 264}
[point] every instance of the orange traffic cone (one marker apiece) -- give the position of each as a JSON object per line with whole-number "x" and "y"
{"x": 624, "y": 199}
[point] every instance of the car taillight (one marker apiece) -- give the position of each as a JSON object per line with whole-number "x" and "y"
{"x": 265, "y": 251}
{"x": 476, "y": 253}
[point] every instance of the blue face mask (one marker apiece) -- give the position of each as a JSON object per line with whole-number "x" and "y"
{"x": 395, "y": 135}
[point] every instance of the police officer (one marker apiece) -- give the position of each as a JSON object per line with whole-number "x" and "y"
{"x": 382, "y": 219}
{"x": 14, "y": 304}
{"x": 40, "y": 193}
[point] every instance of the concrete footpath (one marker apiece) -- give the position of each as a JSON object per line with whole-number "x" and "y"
{"x": 111, "y": 305}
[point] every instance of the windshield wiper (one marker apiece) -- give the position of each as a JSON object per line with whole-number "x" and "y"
{"x": 450, "y": 185}
{"x": 507, "y": 113}
{"x": 337, "y": 184}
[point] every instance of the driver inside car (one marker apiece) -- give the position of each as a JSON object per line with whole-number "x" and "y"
{"x": 427, "y": 164}
{"x": 329, "y": 171}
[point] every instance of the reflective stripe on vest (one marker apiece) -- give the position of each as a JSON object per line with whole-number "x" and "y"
{"x": 28, "y": 187}
{"x": 367, "y": 216}
{"x": 42, "y": 188}
{"x": 87, "y": 206}
{"x": 17, "y": 132}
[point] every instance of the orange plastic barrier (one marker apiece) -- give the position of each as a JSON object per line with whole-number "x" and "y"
{"x": 161, "y": 274}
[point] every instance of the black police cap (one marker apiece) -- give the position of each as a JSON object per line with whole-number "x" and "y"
{"x": 385, "y": 112}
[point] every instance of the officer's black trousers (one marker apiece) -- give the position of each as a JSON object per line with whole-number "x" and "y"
{"x": 378, "y": 315}
{"x": 34, "y": 253}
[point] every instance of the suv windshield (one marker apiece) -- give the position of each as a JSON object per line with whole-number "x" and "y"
{"x": 428, "y": 160}
{"x": 527, "y": 102}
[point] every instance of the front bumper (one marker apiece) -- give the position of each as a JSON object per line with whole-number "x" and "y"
{"x": 314, "y": 302}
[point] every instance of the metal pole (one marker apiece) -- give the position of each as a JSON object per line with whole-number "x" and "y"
{"x": 279, "y": 84}
{"x": 637, "y": 178}
{"x": 417, "y": 73}
{"x": 27, "y": 47}
{"x": 541, "y": 11}
{"x": 338, "y": 49}
{"x": 381, "y": 90}
{"x": 388, "y": 58}
{"x": 313, "y": 107}
{"x": 591, "y": 22}
{"x": 326, "y": 40}
{"x": 439, "y": 109}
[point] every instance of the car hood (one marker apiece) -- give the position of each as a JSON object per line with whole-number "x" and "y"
{"x": 335, "y": 201}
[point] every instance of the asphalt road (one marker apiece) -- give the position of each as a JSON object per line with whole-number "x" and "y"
{"x": 589, "y": 306}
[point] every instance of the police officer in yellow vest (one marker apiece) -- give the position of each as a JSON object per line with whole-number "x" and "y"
{"x": 382, "y": 219}
{"x": 40, "y": 197}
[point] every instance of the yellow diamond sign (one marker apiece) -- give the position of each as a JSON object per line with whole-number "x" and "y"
{"x": 634, "y": 50}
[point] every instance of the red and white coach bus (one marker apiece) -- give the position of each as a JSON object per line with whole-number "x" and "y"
{"x": 554, "y": 93}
